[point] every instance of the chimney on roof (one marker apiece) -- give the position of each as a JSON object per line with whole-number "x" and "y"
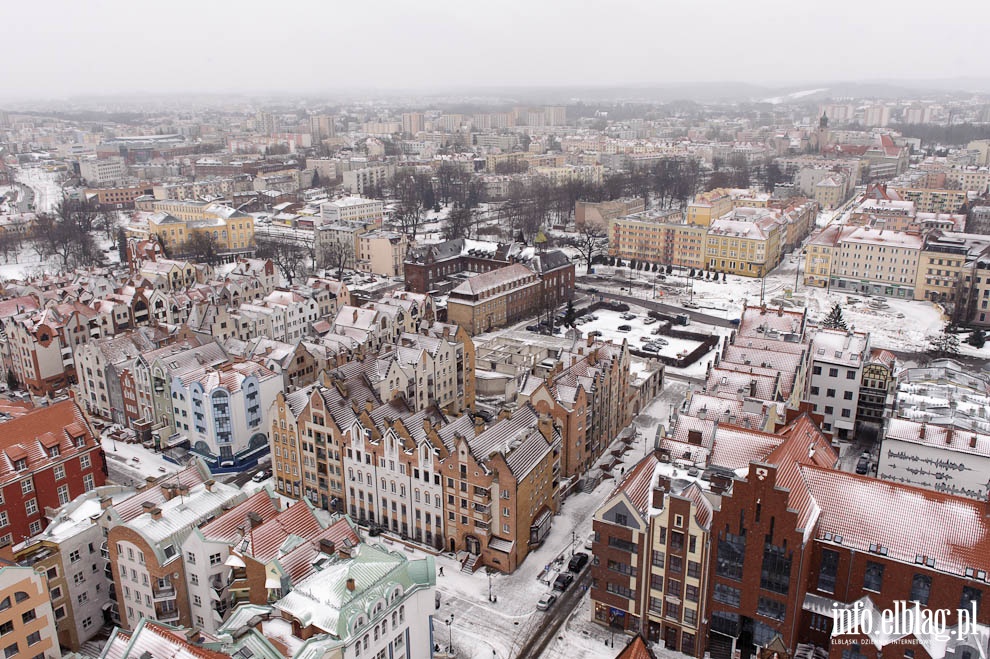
{"x": 355, "y": 315}
{"x": 921, "y": 431}
{"x": 255, "y": 519}
{"x": 720, "y": 483}
{"x": 479, "y": 425}
{"x": 156, "y": 513}
{"x": 545, "y": 426}
{"x": 972, "y": 441}
{"x": 660, "y": 491}
{"x": 780, "y": 311}
{"x": 504, "y": 413}
{"x": 148, "y": 506}
{"x": 106, "y": 502}
{"x": 694, "y": 437}
{"x": 327, "y": 546}
{"x": 351, "y": 585}
{"x": 209, "y": 485}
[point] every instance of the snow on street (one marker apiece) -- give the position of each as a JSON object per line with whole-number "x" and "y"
{"x": 479, "y": 626}
{"x": 47, "y": 191}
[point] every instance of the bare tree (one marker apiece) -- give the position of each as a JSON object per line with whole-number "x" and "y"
{"x": 336, "y": 256}
{"x": 203, "y": 247}
{"x": 591, "y": 241}
{"x": 458, "y": 223}
{"x": 289, "y": 256}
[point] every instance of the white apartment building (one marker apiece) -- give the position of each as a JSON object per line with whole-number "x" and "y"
{"x": 394, "y": 480}
{"x": 877, "y": 262}
{"x": 357, "y": 181}
{"x": 97, "y": 172}
{"x": 837, "y": 359}
{"x": 374, "y": 599}
{"x": 223, "y": 410}
{"x": 353, "y": 209}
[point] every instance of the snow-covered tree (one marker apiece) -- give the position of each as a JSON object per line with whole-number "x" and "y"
{"x": 943, "y": 344}
{"x": 834, "y": 319}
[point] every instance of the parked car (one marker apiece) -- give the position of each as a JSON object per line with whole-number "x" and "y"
{"x": 533, "y": 328}
{"x": 628, "y": 316}
{"x": 546, "y": 602}
{"x": 563, "y": 581}
{"x": 649, "y": 320}
{"x": 260, "y": 476}
{"x": 863, "y": 466}
{"x": 577, "y": 562}
{"x": 623, "y": 328}
{"x": 651, "y": 348}
{"x": 660, "y": 342}
{"x": 594, "y": 333}
{"x": 690, "y": 305}
{"x": 589, "y": 541}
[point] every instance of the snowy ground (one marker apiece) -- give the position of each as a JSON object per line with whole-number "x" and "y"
{"x": 609, "y": 321}
{"x": 47, "y": 190}
{"x": 902, "y": 325}
{"x": 133, "y": 462}
{"x": 26, "y": 263}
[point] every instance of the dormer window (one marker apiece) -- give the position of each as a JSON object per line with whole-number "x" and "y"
{"x": 20, "y": 465}
{"x": 53, "y": 452}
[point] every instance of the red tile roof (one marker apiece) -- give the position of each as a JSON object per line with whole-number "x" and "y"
{"x": 637, "y": 649}
{"x": 905, "y": 520}
{"x": 31, "y": 435}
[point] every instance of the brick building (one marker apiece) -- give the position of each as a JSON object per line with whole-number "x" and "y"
{"x": 51, "y": 456}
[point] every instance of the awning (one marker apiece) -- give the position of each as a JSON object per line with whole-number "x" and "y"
{"x": 271, "y": 583}
{"x": 234, "y": 561}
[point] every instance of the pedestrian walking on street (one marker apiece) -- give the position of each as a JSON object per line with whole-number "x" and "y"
{"x": 441, "y": 570}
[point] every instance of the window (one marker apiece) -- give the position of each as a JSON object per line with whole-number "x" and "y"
{"x": 776, "y": 572}
{"x": 63, "y": 495}
{"x": 727, "y": 594}
{"x": 33, "y": 638}
{"x": 847, "y": 395}
{"x": 850, "y": 375}
{"x": 731, "y": 550}
{"x": 921, "y": 588}
{"x": 817, "y": 370}
{"x": 827, "y": 570}
{"x": 676, "y": 564}
{"x": 833, "y": 372}
{"x": 694, "y": 569}
{"x": 4, "y": 521}
{"x": 59, "y": 612}
{"x": 10, "y": 650}
{"x": 27, "y": 486}
{"x": 6, "y": 627}
{"x": 59, "y": 472}
{"x": 830, "y": 393}
{"x": 771, "y": 608}
{"x": 970, "y": 599}
{"x": 28, "y": 616}
{"x": 190, "y": 558}
{"x": 194, "y": 579}
{"x": 215, "y": 559}
{"x": 31, "y": 506}
{"x": 197, "y": 600}
{"x": 623, "y": 545}
{"x": 873, "y": 576}
{"x": 814, "y": 391}
{"x": 691, "y": 593}
{"x": 658, "y": 558}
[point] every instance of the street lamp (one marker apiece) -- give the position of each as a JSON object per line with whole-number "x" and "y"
{"x": 573, "y": 540}
{"x": 448, "y": 621}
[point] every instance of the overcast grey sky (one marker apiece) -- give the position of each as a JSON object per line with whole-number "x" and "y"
{"x": 55, "y": 48}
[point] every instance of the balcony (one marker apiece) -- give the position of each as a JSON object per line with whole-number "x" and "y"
{"x": 166, "y": 615}
{"x": 218, "y": 584}
{"x": 163, "y": 594}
